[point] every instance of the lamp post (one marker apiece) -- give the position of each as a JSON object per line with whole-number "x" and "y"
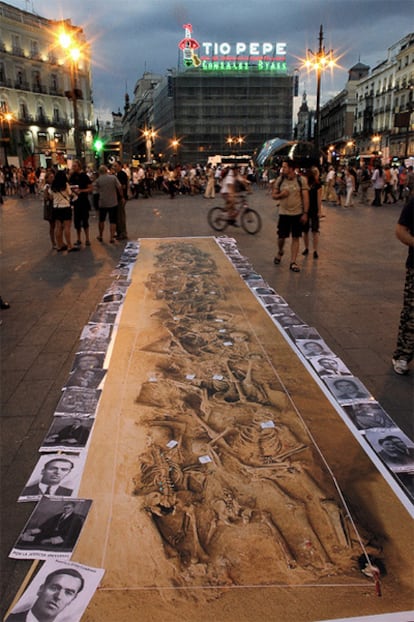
{"x": 175, "y": 144}
{"x": 149, "y": 135}
{"x": 74, "y": 53}
{"x": 319, "y": 62}
{"x": 5, "y": 118}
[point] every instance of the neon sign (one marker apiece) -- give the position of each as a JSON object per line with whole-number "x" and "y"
{"x": 243, "y": 66}
{"x": 243, "y": 51}
{"x": 188, "y": 45}
{"x": 226, "y": 56}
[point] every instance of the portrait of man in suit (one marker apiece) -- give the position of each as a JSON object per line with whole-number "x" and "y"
{"x": 58, "y": 532}
{"x": 53, "y": 473}
{"x": 74, "y": 434}
{"x": 59, "y": 589}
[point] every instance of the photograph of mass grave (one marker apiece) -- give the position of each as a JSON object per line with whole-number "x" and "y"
{"x": 203, "y": 470}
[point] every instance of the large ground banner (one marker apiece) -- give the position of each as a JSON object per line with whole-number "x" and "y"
{"x": 225, "y": 485}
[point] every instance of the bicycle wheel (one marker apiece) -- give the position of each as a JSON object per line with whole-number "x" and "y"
{"x": 217, "y": 218}
{"x": 250, "y": 221}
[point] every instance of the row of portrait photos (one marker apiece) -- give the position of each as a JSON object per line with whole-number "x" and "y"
{"x": 54, "y": 526}
{"x": 393, "y": 447}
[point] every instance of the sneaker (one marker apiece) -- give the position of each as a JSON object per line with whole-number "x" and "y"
{"x": 315, "y": 255}
{"x": 305, "y": 252}
{"x": 400, "y": 366}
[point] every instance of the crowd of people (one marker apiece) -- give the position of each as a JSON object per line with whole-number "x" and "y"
{"x": 69, "y": 195}
{"x": 389, "y": 184}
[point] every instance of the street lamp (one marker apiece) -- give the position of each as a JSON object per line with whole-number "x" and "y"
{"x": 175, "y": 144}
{"x": 5, "y": 119}
{"x": 235, "y": 140}
{"x": 149, "y": 135}
{"x": 74, "y": 53}
{"x": 377, "y": 144}
{"x": 319, "y": 62}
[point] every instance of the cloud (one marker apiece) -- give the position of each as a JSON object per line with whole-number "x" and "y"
{"x": 132, "y": 36}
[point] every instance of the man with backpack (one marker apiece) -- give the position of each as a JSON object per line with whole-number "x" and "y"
{"x": 292, "y": 192}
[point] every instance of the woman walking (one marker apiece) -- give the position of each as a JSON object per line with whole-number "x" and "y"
{"x": 378, "y": 182}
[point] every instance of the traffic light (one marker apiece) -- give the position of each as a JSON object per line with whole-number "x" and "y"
{"x": 98, "y": 145}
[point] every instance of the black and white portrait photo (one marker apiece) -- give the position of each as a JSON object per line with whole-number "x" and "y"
{"x": 78, "y": 402}
{"x": 286, "y": 318}
{"x": 86, "y": 379}
{"x": 313, "y": 347}
{"x": 394, "y": 448}
{"x": 106, "y": 313}
{"x": 274, "y": 299}
{"x": 95, "y": 337}
{"x": 61, "y": 591}
{"x": 56, "y": 475}
{"x": 70, "y": 434}
{"x": 366, "y": 415}
{"x": 329, "y": 366}
{"x": 52, "y": 530}
{"x": 347, "y": 389}
{"x": 304, "y": 333}
{"x": 88, "y": 360}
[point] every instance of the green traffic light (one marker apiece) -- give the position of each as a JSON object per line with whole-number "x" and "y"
{"x": 98, "y": 145}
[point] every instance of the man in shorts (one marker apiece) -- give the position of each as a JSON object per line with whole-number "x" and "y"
{"x": 292, "y": 192}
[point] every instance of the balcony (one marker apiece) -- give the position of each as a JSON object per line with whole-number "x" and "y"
{"x": 6, "y": 83}
{"x": 39, "y": 88}
{"x": 18, "y": 51}
{"x": 22, "y": 86}
{"x": 42, "y": 119}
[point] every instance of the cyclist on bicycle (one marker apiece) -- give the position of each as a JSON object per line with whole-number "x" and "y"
{"x": 232, "y": 184}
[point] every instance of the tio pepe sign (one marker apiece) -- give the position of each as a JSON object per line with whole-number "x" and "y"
{"x": 243, "y": 51}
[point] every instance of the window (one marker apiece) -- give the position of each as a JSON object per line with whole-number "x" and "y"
{"x": 23, "y": 111}
{"x": 34, "y": 49}
{"x": 53, "y": 83}
{"x": 56, "y": 115}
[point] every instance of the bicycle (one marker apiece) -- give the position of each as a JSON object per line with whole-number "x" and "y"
{"x": 218, "y": 217}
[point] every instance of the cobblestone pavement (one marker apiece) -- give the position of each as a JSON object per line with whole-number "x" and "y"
{"x": 352, "y": 294}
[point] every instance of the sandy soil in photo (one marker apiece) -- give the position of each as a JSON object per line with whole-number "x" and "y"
{"x": 225, "y": 485}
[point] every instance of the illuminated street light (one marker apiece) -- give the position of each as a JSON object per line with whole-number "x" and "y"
{"x": 376, "y": 139}
{"x": 5, "y": 120}
{"x": 68, "y": 43}
{"x": 150, "y": 136}
{"x": 235, "y": 140}
{"x": 175, "y": 144}
{"x": 319, "y": 62}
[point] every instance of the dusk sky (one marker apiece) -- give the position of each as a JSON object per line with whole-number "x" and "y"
{"x": 133, "y": 36}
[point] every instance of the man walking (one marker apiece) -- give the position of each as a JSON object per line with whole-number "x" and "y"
{"x": 110, "y": 192}
{"x": 292, "y": 191}
{"x": 121, "y": 232}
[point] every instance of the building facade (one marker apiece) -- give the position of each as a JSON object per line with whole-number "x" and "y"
{"x": 46, "y": 107}
{"x": 373, "y": 114}
{"x": 194, "y": 114}
{"x": 384, "y": 106}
